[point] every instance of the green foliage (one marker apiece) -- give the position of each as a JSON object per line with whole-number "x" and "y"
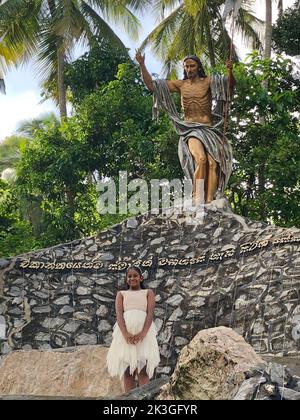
{"x": 111, "y": 131}
{"x": 265, "y": 135}
{"x": 8, "y": 207}
{"x": 196, "y": 27}
{"x": 93, "y": 69}
{"x": 19, "y": 239}
{"x": 286, "y": 33}
{"x": 15, "y": 235}
{"x": 10, "y": 151}
{"x": 119, "y": 131}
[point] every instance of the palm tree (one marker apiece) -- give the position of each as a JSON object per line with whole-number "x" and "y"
{"x": 27, "y": 128}
{"x": 12, "y": 146}
{"x": 49, "y": 29}
{"x": 280, "y": 7}
{"x": 268, "y": 30}
{"x": 10, "y": 151}
{"x": 196, "y": 27}
{"x": 2, "y": 84}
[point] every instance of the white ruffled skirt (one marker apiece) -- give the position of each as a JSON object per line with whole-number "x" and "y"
{"x": 122, "y": 355}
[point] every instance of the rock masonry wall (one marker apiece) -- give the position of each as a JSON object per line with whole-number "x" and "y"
{"x": 219, "y": 269}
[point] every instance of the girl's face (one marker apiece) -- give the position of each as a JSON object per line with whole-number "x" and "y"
{"x": 134, "y": 279}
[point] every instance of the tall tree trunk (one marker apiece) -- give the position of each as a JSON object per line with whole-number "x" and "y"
{"x": 61, "y": 85}
{"x": 268, "y": 30}
{"x": 280, "y": 7}
{"x": 210, "y": 45}
{"x": 261, "y": 189}
{"x": 62, "y": 100}
{"x": 267, "y": 55}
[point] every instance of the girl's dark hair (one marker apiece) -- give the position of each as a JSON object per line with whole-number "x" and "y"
{"x": 139, "y": 271}
{"x": 201, "y": 72}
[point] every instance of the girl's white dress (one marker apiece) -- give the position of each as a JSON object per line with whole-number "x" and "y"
{"x": 122, "y": 355}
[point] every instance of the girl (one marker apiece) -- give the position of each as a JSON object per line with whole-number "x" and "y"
{"x": 134, "y": 349}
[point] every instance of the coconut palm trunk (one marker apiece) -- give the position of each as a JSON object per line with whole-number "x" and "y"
{"x": 62, "y": 99}
{"x": 280, "y": 7}
{"x": 266, "y": 56}
{"x": 61, "y": 88}
{"x": 268, "y": 30}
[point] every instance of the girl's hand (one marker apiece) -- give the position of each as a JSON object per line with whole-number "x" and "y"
{"x": 139, "y": 337}
{"x": 129, "y": 338}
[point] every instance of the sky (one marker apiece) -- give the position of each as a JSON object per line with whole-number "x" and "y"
{"x": 22, "y": 100}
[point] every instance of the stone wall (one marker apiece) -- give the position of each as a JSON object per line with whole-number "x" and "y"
{"x": 218, "y": 270}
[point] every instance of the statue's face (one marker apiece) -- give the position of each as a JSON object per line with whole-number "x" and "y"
{"x": 191, "y": 68}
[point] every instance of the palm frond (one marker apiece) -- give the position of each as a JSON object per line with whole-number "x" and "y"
{"x": 164, "y": 32}
{"x": 250, "y": 27}
{"x": 99, "y": 26}
{"x": 19, "y": 24}
{"x": 117, "y": 12}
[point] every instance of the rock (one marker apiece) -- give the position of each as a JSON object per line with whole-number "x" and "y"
{"x": 279, "y": 374}
{"x": 249, "y": 388}
{"x": 3, "y": 308}
{"x": 64, "y": 300}
{"x": 104, "y": 326}
{"x": 157, "y": 241}
{"x": 211, "y": 366}
{"x": 5, "y": 349}
{"x": 42, "y": 337}
{"x": 71, "y": 279}
{"x": 102, "y": 310}
{"x": 71, "y": 327}
{"x": 132, "y": 223}
{"x": 288, "y": 394}
{"x": 86, "y": 339}
{"x": 4, "y": 263}
{"x": 145, "y": 392}
{"x": 175, "y": 315}
{"x": 86, "y": 302}
{"x": 174, "y": 300}
{"x": 52, "y": 323}
{"x": 15, "y": 291}
{"x": 107, "y": 257}
{"x": 76, "y": 372}
{"x": 93, "y": 248}
{"x": 66, "y": 310}
{"x": 82, "y": 291}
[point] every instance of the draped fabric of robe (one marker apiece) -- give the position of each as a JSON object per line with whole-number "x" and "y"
{"x": 212, "y": 137}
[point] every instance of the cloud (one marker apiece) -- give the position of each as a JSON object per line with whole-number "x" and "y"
{"x": 16, "y": 108}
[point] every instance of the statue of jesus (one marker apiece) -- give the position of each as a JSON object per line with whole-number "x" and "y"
{"x": 204, "y": 152}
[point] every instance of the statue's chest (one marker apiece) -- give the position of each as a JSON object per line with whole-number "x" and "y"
{"x": 196, "y": 91}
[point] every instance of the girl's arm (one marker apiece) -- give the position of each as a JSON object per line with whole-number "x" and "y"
{"x": 149, "y": 317}
{"x": 120, "y": 317}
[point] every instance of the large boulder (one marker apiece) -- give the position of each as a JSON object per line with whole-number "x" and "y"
{"x": 211, "y": 367}
{"x": 77, "y": 372}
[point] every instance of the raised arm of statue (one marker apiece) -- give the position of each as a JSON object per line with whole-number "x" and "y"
{"x": 145, "y": 74}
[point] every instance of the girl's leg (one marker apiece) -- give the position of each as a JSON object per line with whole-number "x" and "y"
{"x": 129, "y": 380}
{"x": 143, "y": 377}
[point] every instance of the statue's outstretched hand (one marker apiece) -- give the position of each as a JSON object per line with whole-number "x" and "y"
{"x": 229, "y": 64}
{"x": 139, "y": 57}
